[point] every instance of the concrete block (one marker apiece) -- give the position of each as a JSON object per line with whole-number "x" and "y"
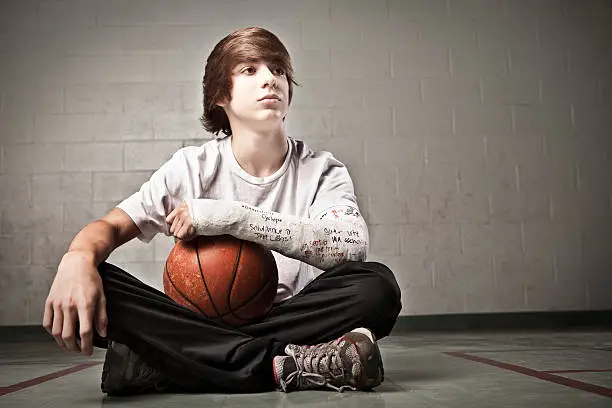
{"x": 510, "y": 91}
{"x": 312, "y": 64}
{"x": 385, "y": 240}
{"x": 17, "y": 128}
{"x": 390, "y": 35}
{"x": 117, "y": 186}
{"x": 148, "y": 155}
{"x": 48, "y": 249}
{"x": 33, "y": 158}
{"x": 494, "y": 239}
{"x": 418, "y": 121}
{"x": 15, "y": 249}
{"x": 358, "y": 11}
{"x": 402, "y": 95}
{"x": 404, "y": 153}
{"x": 94, "y": 157}
{"x": 34, "y": 219}
{"x": 15, "y": 189}
{"x": 325, "y": 34}
{"x": 26, "y": 98}
{"x": 356, "y": 123}
{"x": 417, "y": 10}
{"x": 309, "y": 124}
{"x": 173, "y": 125}
{"x": 479, "y": 120}
{"x": 155, "y": 98}
{"x": 77, "y": 214}
{"x": 478, "y": 177}
{"x": 387, "y": 210}
{"x": 124, "y": 127}
{"x": 133, "y": 251}
{"x": 420, "y": 61}
{"x": 177, "y": 68}
{"x": 62, "y": 187}
{"x": 525, "y": 206}
{"x": 451, "y": 91}
{"x": 51, "y": 128}
{"x": 362, "y": 63}
{"x": 93, "y": 99}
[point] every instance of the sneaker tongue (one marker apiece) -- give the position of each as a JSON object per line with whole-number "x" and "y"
{"x": 284, "y": 366}
{"x": 289, "y": 365}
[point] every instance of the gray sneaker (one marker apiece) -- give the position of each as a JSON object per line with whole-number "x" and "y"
{"x": 350, "y": 362}
{"x": 124, "y": 373}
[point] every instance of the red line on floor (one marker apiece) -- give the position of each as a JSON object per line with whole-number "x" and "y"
{"x": 568, "y": 382}
{"x": 577, "y": 371}
{"x": 45, "y": 378}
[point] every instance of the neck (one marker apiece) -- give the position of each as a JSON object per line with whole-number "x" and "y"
{"x": 259, "y": 153}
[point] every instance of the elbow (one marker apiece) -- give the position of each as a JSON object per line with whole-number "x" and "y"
{"x": 357, "y": 253}
{"x": 361, "y": 253}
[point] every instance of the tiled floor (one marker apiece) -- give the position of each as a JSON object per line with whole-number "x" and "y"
{"x": 527, "y": 369}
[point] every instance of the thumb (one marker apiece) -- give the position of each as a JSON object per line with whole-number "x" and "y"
{"x": 101, "y": 318}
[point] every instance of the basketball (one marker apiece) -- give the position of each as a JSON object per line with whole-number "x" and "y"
{"x": 224, "y": 278}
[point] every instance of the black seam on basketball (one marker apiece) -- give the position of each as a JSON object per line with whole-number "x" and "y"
{"x": 212, "y": 302}
{"x": 231, "y": 286}
{"x": 179, "y": 291}
{"x": 261, "y": 289}
{"x": 233, "y": 312}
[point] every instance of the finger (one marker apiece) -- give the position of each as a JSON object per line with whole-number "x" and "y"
{"x": 68, "y": 332}
{"x": 85, "y": 329}
{"x": 101, "y": 317}
{"x": 184, "y": 232}
{"x": 179, "y": 226}
{"x": 58, "y": 326}
{"x": 171, "y": 216}
{"x": 48, "y": 317}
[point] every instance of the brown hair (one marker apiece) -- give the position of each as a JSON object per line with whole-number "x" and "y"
{"x": 251, "y": 44}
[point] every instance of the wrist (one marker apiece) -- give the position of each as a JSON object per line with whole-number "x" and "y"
{"x": 80, "y": 255}
{"x": 215, "y": 217}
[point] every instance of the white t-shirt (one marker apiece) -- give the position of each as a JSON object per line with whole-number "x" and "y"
{"x": 307, "y": 184}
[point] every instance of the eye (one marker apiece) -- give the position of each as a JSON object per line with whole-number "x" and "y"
{"x": 279, "y": 71}
{"x": 249, "y": 69}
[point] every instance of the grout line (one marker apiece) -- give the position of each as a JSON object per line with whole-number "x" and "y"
{"x": 542, "y": 375}
{"x": 48, "y": 377}
{"x": 577, "y": 371}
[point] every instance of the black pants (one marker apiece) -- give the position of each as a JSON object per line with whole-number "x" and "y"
{"x": 200, "y": 355}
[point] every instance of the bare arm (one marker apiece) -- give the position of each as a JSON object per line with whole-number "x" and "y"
{"x": 98, "y": 239}
{"x": 77, "y": 293}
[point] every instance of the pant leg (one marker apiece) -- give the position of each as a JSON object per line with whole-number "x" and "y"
{"x": 355, "y": 294}
{"x": 199, "y": 354}
{"x": 192, "y": 351}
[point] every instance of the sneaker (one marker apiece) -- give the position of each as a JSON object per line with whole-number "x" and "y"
{"x": 350, "y": 362}
{"x": 125, "y": 373}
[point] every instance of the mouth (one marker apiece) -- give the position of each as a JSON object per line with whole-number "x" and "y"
{"x": 270, "y": 98}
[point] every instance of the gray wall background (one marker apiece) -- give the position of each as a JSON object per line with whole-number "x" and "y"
{"x": 478, "y": 134}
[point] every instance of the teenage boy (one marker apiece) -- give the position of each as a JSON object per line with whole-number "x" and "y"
{"x": 331, "y": 305}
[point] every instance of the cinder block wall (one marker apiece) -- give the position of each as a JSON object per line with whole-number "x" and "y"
{"x": 478, "y": 134}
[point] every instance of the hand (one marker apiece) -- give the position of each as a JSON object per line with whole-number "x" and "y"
{"x": 181, "y": 224}
{"x": 76, "y": 295}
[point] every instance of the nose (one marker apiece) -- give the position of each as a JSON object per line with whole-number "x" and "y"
{"x": 268, "y": 77}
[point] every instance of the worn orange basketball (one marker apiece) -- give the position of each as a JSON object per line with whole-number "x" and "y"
{"x": 226, "y": 279}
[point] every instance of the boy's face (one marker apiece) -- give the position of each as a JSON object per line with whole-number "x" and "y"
{"x": 251, "y": 83}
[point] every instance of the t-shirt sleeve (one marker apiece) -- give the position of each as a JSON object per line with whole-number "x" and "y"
{"x": 157, "y": 197}
{"x": 335, "y": 188}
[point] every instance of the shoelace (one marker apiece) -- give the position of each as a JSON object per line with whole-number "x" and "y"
{"x": 316, "y": 366}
